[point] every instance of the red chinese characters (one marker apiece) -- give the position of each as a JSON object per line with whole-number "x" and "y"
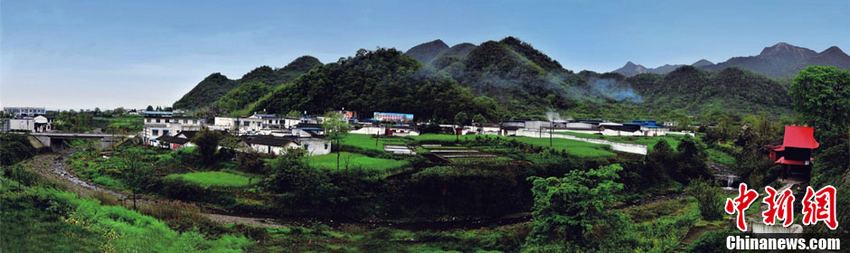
{"x": 820, "y": 206}
{"x": 740, "y": 204}
{"x": 779, "y": 206}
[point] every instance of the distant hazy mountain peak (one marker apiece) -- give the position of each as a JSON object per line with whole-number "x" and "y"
{"x": 631, "y": 69}
{"x": 426, "y": 52}
{"x": 784, "y": 50}
{"x": 833, "y": 50}
{"x": 702, "y": 63}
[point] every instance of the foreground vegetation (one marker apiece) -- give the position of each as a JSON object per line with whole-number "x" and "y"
{"x": 39, "y": 218}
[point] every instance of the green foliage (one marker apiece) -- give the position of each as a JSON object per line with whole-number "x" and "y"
{"x": 206, "y": 92}
{"x": 380, "y": 80}
{"x": 73, "y": 121}
{"x": 215, "y": 178}
{"x": 682, "y": 165}
{"x": 822, "y": 97}
{"x": 572, "y": 213}
{"x": 242, "y": 95}
{"x": 14, "y": 148}
{"x": 335, "y": 128}
{"x": 207, "y": 142}
{"x": 53, "y": 220}
{"x": 461, "y": 118}
{"x": 697, "y": 91}
{"x": 231, "y": 95}
{"x": 709, "y": 197}
{"x": 354, "y": 161}
{"x": 125, "y": 124}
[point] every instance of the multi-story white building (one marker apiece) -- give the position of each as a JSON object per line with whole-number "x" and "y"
{"x": 254, "y": 124}
{"x": 19, "y": 112}
{"x": 159, "y": 124}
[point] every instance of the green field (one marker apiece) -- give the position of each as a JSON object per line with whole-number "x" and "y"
{"x": 368, "y": 142}
{"x": 573, "y": 147}
{"x": 354, "y": 161}
{"x": 216, "y": 178}
{"x": 650, "y": 142}
{"x": 442, "y": 137}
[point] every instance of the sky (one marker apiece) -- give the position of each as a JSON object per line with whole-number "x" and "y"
{"x": 85, "y": 54}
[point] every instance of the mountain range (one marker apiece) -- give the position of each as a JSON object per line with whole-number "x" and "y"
{"x": 781, "y": 60}
{"x": 505, "y": 79}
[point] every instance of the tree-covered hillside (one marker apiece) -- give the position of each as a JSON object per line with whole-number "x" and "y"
{"x": 231, "y": 95}
{"x": 506, "y": 79}
{"x": 697, "y": 91}
{"x": 380, "y": 80}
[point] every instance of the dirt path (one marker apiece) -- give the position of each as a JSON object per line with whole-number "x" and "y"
{"x": 53, "y": 166}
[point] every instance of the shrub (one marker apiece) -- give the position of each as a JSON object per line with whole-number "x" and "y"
{"x": 709, "y": 197}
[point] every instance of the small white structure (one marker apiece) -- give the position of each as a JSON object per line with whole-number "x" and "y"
{"x": 272, "y": 145}
{"x": 37, "y": 124}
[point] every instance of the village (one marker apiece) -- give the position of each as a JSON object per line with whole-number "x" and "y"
{"x": 274, "y": 134}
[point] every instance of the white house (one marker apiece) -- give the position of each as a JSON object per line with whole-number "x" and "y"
{"x": 277, "y": 145}
{"x": 157, "y": 124}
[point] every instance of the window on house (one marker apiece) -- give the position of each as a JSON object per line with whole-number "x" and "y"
{"x": 148, "y": 120}
{"x": 326, "y": 146}
{"x": 157, "y": 120}
{"x": 155, "y": 132}
{"x": 306, "y": 146}
{"x": 246, "y": 123}
{"x": 194, "y": 121}
{"x": 164, "y": 132}
{"x": 185, "y": 121}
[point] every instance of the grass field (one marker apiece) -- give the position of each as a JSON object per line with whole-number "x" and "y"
{"x": 576, "y": 148}
{"x": 650, "y": 142}
{"x": 354, "y": 161}
{"x": 368, "y": 142}
{"x": 720, "y": 157}
{"x": 442, "y": 137}
{"x": 216, "y": 178}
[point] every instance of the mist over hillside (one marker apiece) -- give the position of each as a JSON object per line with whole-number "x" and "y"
{"x": 500, "y": 80}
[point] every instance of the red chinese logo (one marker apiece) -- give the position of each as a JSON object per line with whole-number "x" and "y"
{"x": 740, "y": 204}
{"x": 822, "y": 208}
{"x": 778, "y": 207}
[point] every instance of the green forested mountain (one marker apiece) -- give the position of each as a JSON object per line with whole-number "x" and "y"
{"x": 206, "y": 92}
{"x": 230, "y": 95}
{"x": 498, "y": 79}
{"x": 697, "y": 91}
{"x": 380, "y": 80}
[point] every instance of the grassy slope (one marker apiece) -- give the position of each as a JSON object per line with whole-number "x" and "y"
{"x": 354, "y": 161}
{"x": 576, "y": 148}
{"x": 673, "y": 140}
{"x": 367, "y": 142}
{"x": 51, "y": 220}
{"x": 216, "y": 178}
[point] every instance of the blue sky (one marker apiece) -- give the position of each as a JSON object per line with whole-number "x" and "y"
{"x": 86, "y": 54}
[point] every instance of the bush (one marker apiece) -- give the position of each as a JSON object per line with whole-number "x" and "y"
{"x": 709, "y": 197}
{"x": 14, "y": 148}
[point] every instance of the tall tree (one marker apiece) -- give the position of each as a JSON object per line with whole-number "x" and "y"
{"x": 821, "y": 95}
{"x": 335, "y": 127}
{"x": 460, "y": 119}
{"x": 138, "y": 171}
{"x": 207, "y": 142}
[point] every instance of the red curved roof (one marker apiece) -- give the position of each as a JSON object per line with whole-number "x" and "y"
{"x": 800, "y": 137}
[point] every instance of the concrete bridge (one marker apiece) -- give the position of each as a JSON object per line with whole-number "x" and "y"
{"x": 57, "y": 140}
